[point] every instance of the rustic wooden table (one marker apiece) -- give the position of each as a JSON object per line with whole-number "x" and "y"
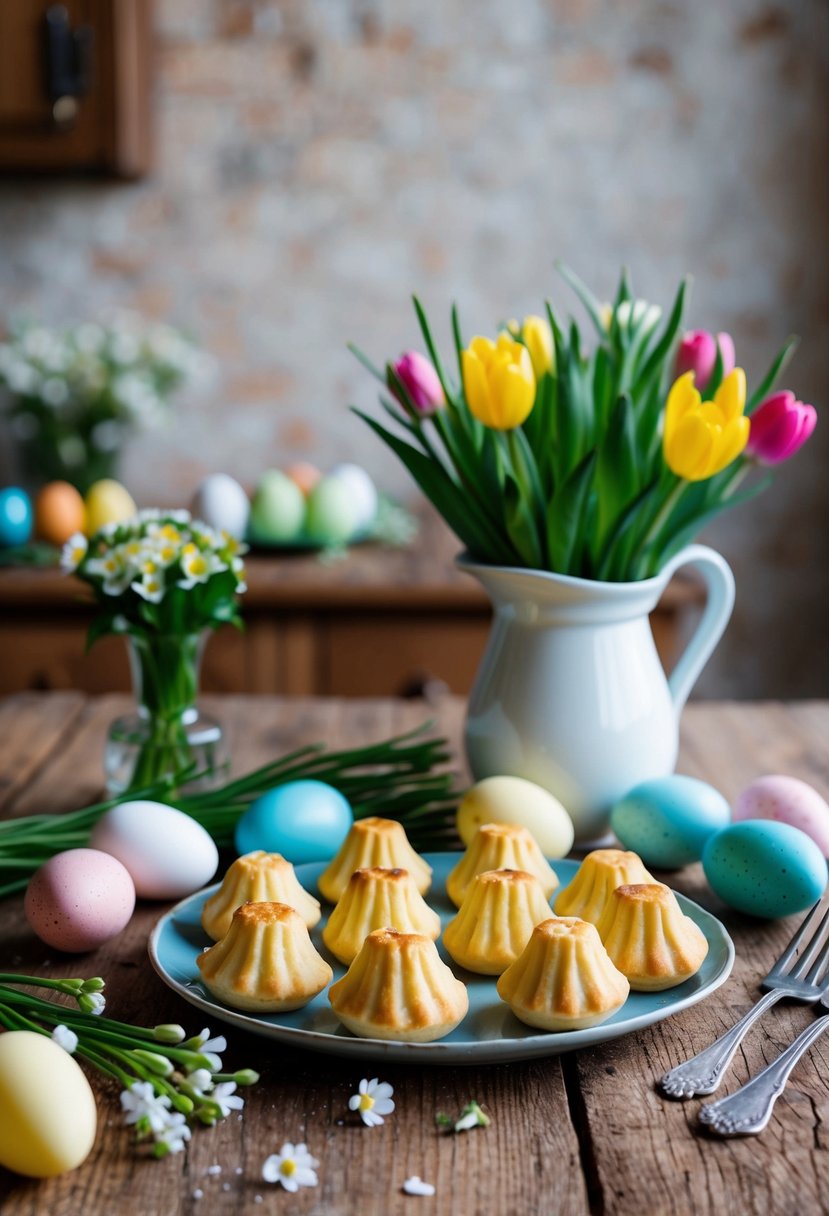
{"x": 574, "y": 1134}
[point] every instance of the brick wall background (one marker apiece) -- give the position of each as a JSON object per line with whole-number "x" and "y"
{"x": 320, "y": 159}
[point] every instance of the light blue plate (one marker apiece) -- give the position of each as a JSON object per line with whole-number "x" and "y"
{"x": 489, "y": 1033}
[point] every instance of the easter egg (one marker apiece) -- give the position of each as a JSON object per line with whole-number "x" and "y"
{"x": 59, "y": 512}
{"x": 332, "y": 515}
{"x": 278, "y": 508}
{"x": 668, "y": 820}
{"x": 363, "y": 493}
{"x": 786, "y": 800}
{"x": 765, "y": 869}
{"x": 515, "y": 800}
{"x": 166, "y": 853}
{"x": 302, "y": 820}
{"x": 221, "y": 503}
{"x": 107, "y": 502}
{"x": 47, "y": 1110}
{"x": 79, "y": 899}
{"x": 304, "y": 475}
{"x": 15, "y": 517}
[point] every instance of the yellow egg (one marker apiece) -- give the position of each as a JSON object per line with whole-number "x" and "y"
{"x": 107, "y": 502}
{"x": 47, "y": 1110}
{"x": 59, "y": 512}
{"x": 514, "y": 800}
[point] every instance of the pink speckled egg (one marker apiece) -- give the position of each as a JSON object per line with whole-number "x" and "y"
{"x": 786, "y": 800}
{"x": 79, "y": 899}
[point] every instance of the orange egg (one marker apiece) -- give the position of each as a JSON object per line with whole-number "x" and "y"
{"x": 304, "y": 475}
{"x": 59, "y": 512}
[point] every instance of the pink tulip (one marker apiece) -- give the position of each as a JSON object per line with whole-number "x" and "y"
{"x": 698, "y": 354}
{"x": 421, "y": 382}
{"x": 780, "y": 426}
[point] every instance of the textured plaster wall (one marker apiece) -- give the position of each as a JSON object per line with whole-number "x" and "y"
{"x": 320, "y": 159}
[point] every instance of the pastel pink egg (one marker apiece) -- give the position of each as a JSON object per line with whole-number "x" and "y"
{"x": 786, "y": 800}
{"x": 79, "y": 899}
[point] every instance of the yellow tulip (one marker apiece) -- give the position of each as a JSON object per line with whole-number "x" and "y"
{"x": 702, "y": 437}
{"x": 498, "y": 381}
{"x": 538, "y": 339}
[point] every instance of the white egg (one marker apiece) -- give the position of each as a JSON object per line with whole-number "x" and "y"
{"x": 223, "y": 504}
{"x": 362, "y": 491}
{"x": 167, "y": 854}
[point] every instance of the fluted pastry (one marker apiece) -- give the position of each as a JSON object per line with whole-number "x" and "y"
{"x": 377, "y": 898}
{"x": 598, "y": 876}
{"x": 650, "y": 939}
{"x": 257, "y": 878}
{"x": 500, "y": 846}
{"x": 564, "y": 978}
{"x": 399, "y": 988}
{"x": 373, "y": 842}
{"x": 266, "y": 962}
{"x": 498, "y": 914}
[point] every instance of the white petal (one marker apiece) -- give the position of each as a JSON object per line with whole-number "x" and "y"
{"x": 416, "y": 1186}
{"x": 383, "y": 1106}
{"x": 306, "y": 1178}
{"x": 362, "y": 1088}
{"x": 354, "y": 1102}
{"x": 270, "y": 1170}
{"x": 290, "y": 1184}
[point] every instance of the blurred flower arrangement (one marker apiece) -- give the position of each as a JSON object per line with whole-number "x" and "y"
{"x": 76, "y": 394}
{"x": 600, "y": 465}
{"x": 162, "y": 580}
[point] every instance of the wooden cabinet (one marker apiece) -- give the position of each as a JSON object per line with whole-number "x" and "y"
{"x": 75, "y": 85}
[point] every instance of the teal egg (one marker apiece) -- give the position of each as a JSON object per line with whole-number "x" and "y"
{"x": 668, "y": 820}
{"x": 15, "y": 517}
{"x": 302, "y": 820}
{"x": 764, "y": 868}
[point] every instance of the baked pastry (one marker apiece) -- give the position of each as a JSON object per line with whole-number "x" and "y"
{"x": 399, "y": 988}
{"x": 257, "y": 878}
{"x": 377, "y": 898}
{"x": 266, "y": 962}
{"x": 601, "y": 872}
{"x": 373, "y": 842}
{"x": 500, "y": 846}
{"x": 650, "y": 939}
{"x": 564, "y": 979}
{"x": 498, "y": 914}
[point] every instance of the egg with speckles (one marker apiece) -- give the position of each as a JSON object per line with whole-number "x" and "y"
{"x": 79, "y": 899}
{"x": 786, "y": 800}
{"x": 765, "y": 869}
{"x": 668, "y": 820}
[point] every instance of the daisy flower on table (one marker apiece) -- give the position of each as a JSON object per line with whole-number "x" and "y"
{"x": 372, "y": 1101}
{"x": 292, "y": 1167}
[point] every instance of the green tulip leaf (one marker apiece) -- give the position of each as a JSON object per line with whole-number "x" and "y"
{"x": 567, "y": 514}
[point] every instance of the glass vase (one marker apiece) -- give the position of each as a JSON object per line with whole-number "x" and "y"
{"x": 167, "y": 735}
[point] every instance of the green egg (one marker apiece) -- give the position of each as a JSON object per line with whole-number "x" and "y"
{"x": 331, "y": 517}
{"x": 278, "y": 509}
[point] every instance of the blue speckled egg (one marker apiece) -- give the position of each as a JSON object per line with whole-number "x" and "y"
{"x": 668, "y": 820}
{"x": 15, "y": 517}
{"x": 764, "y": 868}
{"x": 302, "y": 820}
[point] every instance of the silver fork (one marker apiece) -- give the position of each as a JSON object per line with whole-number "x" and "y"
{"x": 797, "y": 978}
{"x": 747, "y": 1111}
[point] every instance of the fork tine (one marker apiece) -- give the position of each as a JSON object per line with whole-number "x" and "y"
{"x": 819, "y": 964}
{"x": 799, "y": 936}
{"x": 807, "y": 958}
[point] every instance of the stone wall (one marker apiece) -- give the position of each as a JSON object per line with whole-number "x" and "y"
{"x": 320, "y": 159}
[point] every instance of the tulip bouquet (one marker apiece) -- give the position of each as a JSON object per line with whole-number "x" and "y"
{"x": 598, "y": 464}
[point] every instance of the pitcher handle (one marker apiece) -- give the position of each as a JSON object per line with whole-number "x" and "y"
{"x": 719, "y": 584}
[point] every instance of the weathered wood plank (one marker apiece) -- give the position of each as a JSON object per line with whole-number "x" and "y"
{"x": 31, "y": 728}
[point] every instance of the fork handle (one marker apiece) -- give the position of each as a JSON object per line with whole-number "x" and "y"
{"x": 747, "y": 1111}
{"x": 703, "y": 1073}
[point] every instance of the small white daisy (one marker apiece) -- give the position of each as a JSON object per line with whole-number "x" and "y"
{"x": 372, "y": 1101}
{"x": 292, "y": 1167}
{"x": 73, "y": 553}
{"x": 226, "y": 1098}
{"x": 143, "y": 1106}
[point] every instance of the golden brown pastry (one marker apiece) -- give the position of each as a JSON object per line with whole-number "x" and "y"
{"x": 399, "y": 988}
{"x": 601, "y": 872}
{"x": 373, "y": 842}
{"x": 498, "y": 914}
{"x": 377, "y": 898}
{"x": 650, "y": 939}
{"x": 564, "y": 979}
{"x": 500, "y": 846}
{"x": 266, "y": 962}
{"x": 257, "y": 878}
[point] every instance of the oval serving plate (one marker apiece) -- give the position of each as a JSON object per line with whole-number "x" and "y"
{"x": 489, "y": 1034}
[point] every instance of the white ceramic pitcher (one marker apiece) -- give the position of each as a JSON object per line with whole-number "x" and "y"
{"x": 570, "y": 692}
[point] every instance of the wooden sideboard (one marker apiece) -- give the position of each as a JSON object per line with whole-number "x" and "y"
{"x": 380, "y": 622}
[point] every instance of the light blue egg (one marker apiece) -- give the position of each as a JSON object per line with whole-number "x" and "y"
{"x": 302, "y": 820}
{"x": 15, "y": 517}
{"x": 764, "y": 868}
{"x": 668, "y": 820}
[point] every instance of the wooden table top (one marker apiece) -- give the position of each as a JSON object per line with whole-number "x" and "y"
{"x": 581, "y": 1133}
